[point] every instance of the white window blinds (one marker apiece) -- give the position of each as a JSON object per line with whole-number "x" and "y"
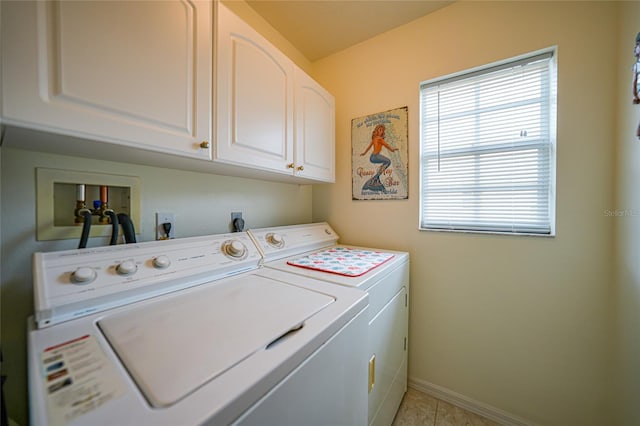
{"x": 487, "y": 151}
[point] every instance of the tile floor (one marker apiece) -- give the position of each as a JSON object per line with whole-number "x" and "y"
{"x": 420, "y": 409}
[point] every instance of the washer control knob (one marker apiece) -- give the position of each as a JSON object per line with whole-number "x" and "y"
{"x": 83, "y": 275}
{"x": 161, "y": 262}
{"x": 236, "y": 249}
{"x": 127, "y": 267}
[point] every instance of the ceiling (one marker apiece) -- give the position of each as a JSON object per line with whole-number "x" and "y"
{"x": 318, "y": 28}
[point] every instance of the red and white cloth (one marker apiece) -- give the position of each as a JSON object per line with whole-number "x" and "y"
{"x": 350, "y": 262}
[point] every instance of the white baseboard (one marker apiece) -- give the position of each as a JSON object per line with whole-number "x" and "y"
{"x": 467, "y": 403}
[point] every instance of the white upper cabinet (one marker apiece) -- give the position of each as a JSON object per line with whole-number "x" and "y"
{"x": 254, "y": 98}
{"x": 133, "y": 73}
{"x": 315, "y": 130}
{"x": 270, "y": 115}
{"x": 142, "y": 81}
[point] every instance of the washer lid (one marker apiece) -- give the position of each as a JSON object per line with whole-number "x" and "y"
{"x": 176, "y": 344}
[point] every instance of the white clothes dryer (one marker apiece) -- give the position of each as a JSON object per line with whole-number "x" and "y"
{"x": 312, "y": 251}
{"x": 188, "y": 332}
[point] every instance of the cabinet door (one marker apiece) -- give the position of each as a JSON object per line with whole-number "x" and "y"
{"x": 315, "y": 130}
{"x": 388, "y": 342}
{"x": 254, "y": 93}
{"x": 134, "y": 73}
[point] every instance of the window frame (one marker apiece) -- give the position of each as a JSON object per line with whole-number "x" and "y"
{"x": 550, "y": 104}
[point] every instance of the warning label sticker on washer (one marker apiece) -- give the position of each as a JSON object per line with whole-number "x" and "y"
{"x": 78, "y": 378}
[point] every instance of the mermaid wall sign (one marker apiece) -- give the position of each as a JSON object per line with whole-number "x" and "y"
{"x": 379, "y": 156}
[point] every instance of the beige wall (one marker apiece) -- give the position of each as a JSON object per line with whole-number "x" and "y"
{"x": 202, "y": 204}
{"x": 519, "y": 323}
{"x": 531, "y": 333}
{"x": 627, "y": 226}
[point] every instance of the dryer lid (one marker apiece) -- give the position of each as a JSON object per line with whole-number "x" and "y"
{"x": 176, "y": 344}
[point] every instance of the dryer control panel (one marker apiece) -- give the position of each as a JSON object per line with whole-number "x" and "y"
{"x": 73, "y": 283}
{"x": 282, "y": 241}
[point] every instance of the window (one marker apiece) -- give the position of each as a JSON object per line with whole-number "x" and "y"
{"x": 488, "y": 148}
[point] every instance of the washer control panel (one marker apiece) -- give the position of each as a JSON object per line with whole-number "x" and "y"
{"x": 235, "y": 249}
{"x": 73, "y": 283}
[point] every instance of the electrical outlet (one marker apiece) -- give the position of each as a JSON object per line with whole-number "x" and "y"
{"x": 237, "y": 227}
{"x": 161, "y": 228}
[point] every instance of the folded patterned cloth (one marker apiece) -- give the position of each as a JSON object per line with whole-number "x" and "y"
{"x": 346, "y": 261}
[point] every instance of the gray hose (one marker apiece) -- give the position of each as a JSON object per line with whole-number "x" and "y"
{"x": 86, "y": 227}
{"x": 128, "y": 229}
{"x": 114, "y": 227}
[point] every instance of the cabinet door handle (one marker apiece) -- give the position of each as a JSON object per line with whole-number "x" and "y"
{"x": 372, "y": 372}
{"x": 300, "y": 168}
{"x": 204, "y": 145}
{"x": 290, "y": 166}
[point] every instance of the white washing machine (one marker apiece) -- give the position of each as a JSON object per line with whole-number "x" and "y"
{"x": 191, "y": 331}
{"x": 311, "y": 251}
